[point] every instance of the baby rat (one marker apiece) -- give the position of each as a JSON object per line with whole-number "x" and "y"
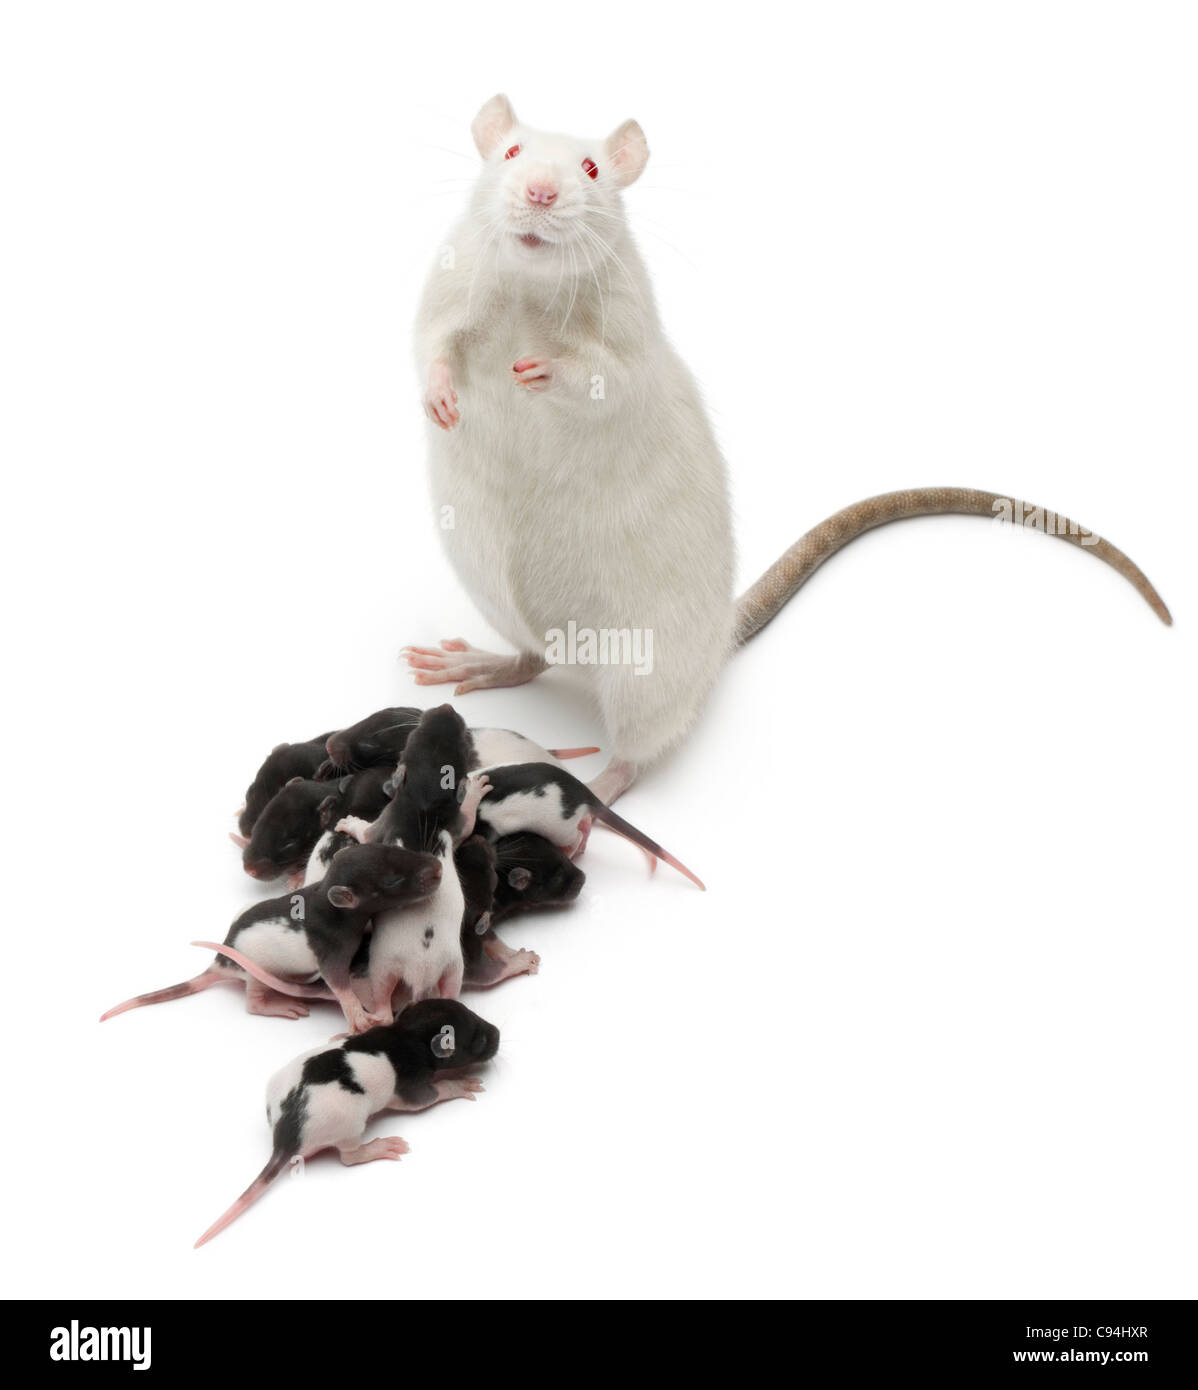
{"x": 547, "y": 375}
{"x": 532, "y": 873}
{"x": 324, "y": 1098}
{"x": 430, "y": 786}
{"x": 377, "y": 739}
{"x": 292, "y": 822}
{"x": 487, "y": 959}
{"x": 310, "y": 935}
{"x": 548, "y": 801}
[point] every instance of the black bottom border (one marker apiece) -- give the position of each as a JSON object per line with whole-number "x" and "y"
{"x": 949, "y": 1341}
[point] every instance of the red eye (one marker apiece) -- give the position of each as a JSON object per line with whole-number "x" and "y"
{"x": 513, "y": 152}
{"x": 591, "y": 168}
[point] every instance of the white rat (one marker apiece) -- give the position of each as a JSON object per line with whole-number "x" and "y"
{"x": 572, "y": 463}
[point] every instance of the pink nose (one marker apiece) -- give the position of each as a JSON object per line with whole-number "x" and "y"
{"x": 543, "y": 193}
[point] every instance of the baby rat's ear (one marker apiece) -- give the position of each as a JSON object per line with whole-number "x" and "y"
{"x": 341, "y": 896}
{"x": 395, "y": 781}
{"x": 627, "y": 153}
{"x": 493, "y": 124}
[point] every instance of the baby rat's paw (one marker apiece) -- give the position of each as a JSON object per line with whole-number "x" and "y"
{"x": 440, "y": 399}
{"x": 533, "y": 373}
{"x": 355, "y": 826}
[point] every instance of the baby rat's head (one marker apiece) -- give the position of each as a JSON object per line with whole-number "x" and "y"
{"x": 533, "y": 873}
{"x": 448, "y": 1033}
{"x": 556, "y": 200}
{"x": 286, "y": 830}
{"x": 379, "y": 738}
{"x": 368, "y": 878}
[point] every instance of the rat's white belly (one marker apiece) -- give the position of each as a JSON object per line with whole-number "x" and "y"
{"x": 557, "y": 507}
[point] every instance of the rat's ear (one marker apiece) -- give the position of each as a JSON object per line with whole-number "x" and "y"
{"x": 395, "y": 781}
{"x": 492, "y": 124}
{"x": 520, "y": 878}
{"x": 341, "y": 896}
{"x": 627, "y": 153}
{"x": 291, "y": 781}
{"x": 325, "y": 811}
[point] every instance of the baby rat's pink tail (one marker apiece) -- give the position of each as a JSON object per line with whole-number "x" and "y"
{"x": 606, "y": 816}
{"x": 572, "y": 752}
{"x": 251, "y": 967}
{"x": 212, "y": 976}
{"x": 274, "y": 1167}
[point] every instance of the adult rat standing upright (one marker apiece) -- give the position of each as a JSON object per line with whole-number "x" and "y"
{"x": 570, "y": 448}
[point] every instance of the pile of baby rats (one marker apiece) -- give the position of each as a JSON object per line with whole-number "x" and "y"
{"x": 403, "y": 840}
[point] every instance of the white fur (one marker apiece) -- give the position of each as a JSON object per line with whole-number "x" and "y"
{"x": 316, "y": 868}
{"x": 280, "y": 946}
{"x": 498, "y": 746}
{"x": 397, "y": 947}
{"x": 333, "y": 1114}
{"x": 542, "y": 814}
{"x": 612, "y": 512}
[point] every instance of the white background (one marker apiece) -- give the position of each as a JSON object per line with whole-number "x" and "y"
{"x": 931, "y": 1031}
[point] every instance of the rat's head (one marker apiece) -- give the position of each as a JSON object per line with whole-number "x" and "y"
{"x": 532, "y": 872}
{"x": 552, "y": 195}
{"x": 286, "y": 830}
{"x": 369, "y": 878}
{"x": 448, "y": 1033}
{"x": 379, "y": 738}
{"x": 436, "y": 759}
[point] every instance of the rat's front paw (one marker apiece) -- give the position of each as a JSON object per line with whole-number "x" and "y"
{"x": 440, "y": 399}
{"x": 355, "y": 826}
{"x": 533, "y": 373}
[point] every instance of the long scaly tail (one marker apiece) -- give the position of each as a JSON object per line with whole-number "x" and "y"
{"x": 212, "y": 976}
{"x": 786, "y": 576}
{"x": 275, "y": 1165}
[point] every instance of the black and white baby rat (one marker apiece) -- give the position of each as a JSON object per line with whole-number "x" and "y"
{"x": 532, "y": 873}
{"x": 310, "y": 935}
{"x": 552, "y": 803}
{"x": 325, "y": 1098}
{"x": 486, "y": 958}
{"x": 541, "y": 356}
{"x": 430, "y": 785}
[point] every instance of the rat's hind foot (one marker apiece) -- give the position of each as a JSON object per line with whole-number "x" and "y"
{"x": 473, "y": 669}
{"x": 270, "y": 1004}
{"x": 575, "y": 850}
{"x": 509, "y": 961}
{"x": 377, "y": 1148}
{"x": 459, "y": 1088}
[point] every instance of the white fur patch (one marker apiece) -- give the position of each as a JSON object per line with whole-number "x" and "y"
{"x": 279, "y": 946}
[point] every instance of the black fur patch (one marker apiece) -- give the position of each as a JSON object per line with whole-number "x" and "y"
{"x": 331, "y": 1066}
{"x": 289, "y": 1127}
{"x": 537, "y": 778}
